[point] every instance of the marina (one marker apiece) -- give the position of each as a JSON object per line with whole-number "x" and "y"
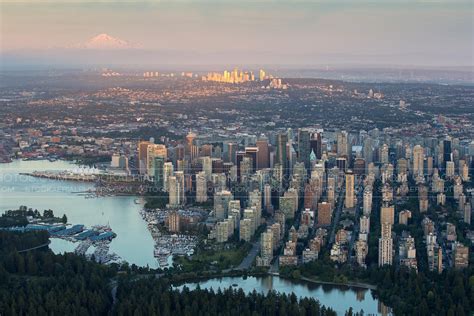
{"x": 98, "y": 237}
{"x": 133, "y": 241}
{"x": 167, "y": 245}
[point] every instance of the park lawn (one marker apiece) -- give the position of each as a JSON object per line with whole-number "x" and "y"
{"x": 219, "y": 257}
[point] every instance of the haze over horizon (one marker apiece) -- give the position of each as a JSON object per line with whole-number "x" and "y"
{"x": 222, "y": 33}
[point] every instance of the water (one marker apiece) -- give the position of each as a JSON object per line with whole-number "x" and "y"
{"x": 133, "y": 242}
{"x": 339, "y": 298}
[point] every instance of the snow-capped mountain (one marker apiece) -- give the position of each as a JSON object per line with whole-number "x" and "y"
{"x": 105, "y": 41}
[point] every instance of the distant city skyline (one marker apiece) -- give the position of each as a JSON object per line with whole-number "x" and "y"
{"x": 437, "y": 33}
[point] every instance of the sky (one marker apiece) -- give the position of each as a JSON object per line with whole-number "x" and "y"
{"x": 388, "y": 32}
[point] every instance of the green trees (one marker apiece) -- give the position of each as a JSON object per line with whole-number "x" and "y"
{"x": 145, "y": 295}
{"x": 38, "y": 282}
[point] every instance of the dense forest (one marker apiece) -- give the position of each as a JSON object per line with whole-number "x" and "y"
{"x": 407, "y": 292}
{"x": 38, "y": 282}
{"x": 140, "y": 298}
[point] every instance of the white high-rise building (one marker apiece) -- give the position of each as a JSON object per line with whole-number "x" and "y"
{"x": 418, "y": 161}
{"x": 386, "y": 245}
{"x": 350, "y": 196}
{"x": 168, "y": 171}
{"x": 367, "y": 203}
{"x": 201, "y": 187}
{"x": 207, "y": 166}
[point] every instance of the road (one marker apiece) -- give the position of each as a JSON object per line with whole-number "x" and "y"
{"x": 337, "y": 215}
{"x": 355, "y": 231}
{"x": 249, "y": 259}
{"x": 33, "y": 248}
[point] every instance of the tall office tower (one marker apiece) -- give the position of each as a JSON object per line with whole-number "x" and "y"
{"x": 418, "y": 161}
{"x": 263, "y": 155}
{"x": 387, "y": 193}
{"x": 261, "y": 75}
{"x": 159, "y": 172}
{"x": 154, "y": 150}
{"x": 277, "y": 175}
{"x": 316, "y": 144}
{"x": 142, "y": 156}
{"x": 234, "y": 205}
{"x": 423, "y": 198}
{"x": 180, "y": 186}
{"x": 402, "y": 166}
{"x": 331, "y": 190}
{"x": 206, "y": 163}
{"x": 434, "y": 253}
{"x": 364, "y": 224}
{"x": 324, "y": 214}
{"x": 217, "y": 165}
{"x": 168, "y": 171}
{"x": 266, "y": 245}
{"x": 174, "y": 222}
{"x": 222, "y": 231}
{"x": 387, "y": 214}
{"x": 255, "y": 200}
{"x": 383, "y": 156}
{"x": 201, "y": 187}
{"x": 386, "y": 245}
{"x": 367, "y": 203}
{"x": 221, "y": 204}
{"x": 281, "y": 153}
{"x": 309, "y": 201}
{"x": 464, "y": 170}
{"x": 246, "y": 167}
{"x": 245, "y": 229}
{"x": 349, "y": 202}
{"x": 359, "y": 166}
{"x": 280, "y": 218}
{"x": 179, "y": 153}
{"x": 450, "y": 169}
{"x": 289, "y": 203}
{"x": 250, "y": 213}
{"x": 217, "y": 153}
{"x": 174, "y": 192}
{"x": 267, "y": 198}
{"x": 341, "y": 163}
{"x": 343, "y": 144}
{"x": 368, "y": 151}
{"x": 206, "y": 150}
{"x": 252, "y": 152}
{"x": 230, "y": 152}
{"x": 304, "y": 147}
{"x": 240, "y": 155}
{"x": 190, "y": 137}
{"x": 447, "y": 151}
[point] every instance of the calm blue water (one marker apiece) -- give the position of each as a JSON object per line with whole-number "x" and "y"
{"x": 133, "y": 242}
{"x": 339, "y": 298}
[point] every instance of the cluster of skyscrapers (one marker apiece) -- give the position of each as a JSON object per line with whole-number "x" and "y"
{"x": 324, "y": 182}
{"x": 234, "y": 76}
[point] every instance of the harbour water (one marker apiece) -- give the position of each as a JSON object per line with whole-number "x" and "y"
{"x": 339, "y": 298}
{"x": 133, "y": 242}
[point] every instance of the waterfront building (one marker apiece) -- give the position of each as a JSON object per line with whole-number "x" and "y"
{"x": 174, "y": 222}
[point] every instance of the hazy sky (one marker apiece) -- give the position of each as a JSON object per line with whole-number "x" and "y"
{"x": 285, "y": 32}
